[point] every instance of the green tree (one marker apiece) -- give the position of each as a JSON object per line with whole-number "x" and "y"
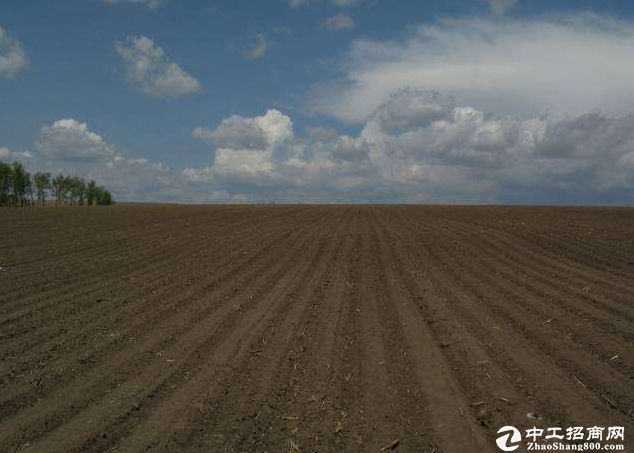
{"x": 81, "y": 190}
{"x": 6, "y": 184}
{"x": 91, "y": 192}
{"x": 58, "y": 188}
{"x": 68, "y": 190}
{"x": 18, "y": 188}
{"x": 30, "y": 190}
{"x": 42, "y": 182}
{"x": 106, "y": 198}
{"x": 21, "y": 182}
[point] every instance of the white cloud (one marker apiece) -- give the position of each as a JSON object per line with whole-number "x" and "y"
{"x": 7, "y": 155}
{"x": 322, "y": 134}
{"x": 71, "y": 140}
{"x": 152, "y": 4}
{"x": 239, "y": 132}
{"x": 246, "y": 148}
{"x": 12, "y": 56}
{"x": 350, "y": 149}
{"x": 259, "y": 48}
{"x": 260, "y": 133}
{"x": 340, "y": 21}
{"x": 277, "y": 127}
{"x": 523, "y": 67}
{"x": 344, "y": 2}
{"x": 198, "y": 174}
{"x": 203, "y": 134}
{"x": 501, "y": 6}
{"x": 236, "y": 162}
{"x": 297, "y": 3}
{"x": 294, "y": 4}
{"x": 150, "y": 71}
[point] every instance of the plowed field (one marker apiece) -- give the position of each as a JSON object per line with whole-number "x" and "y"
{"x": 311, "y": 328}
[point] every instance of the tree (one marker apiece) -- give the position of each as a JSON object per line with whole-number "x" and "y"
{"x": 58, "y": 188}
{"x": 42, "y": 182}
{"x": 68, "y": 190}
{"x": 6, "y": 184}
{"x": 71, "y": 182}
{"x": 106, "y": 198}
{"x": 21, "y": 182}
{"x": 91, "y": 192}
{"x": 18, "y": 188}
{"x": 80, "y": 190}
{"x": 77, "y": 190}
{"x": 30, "y": 190}
{"x": 98, "y": 195}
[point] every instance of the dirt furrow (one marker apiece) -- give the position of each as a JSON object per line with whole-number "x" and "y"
{"x": 314, "y": 329}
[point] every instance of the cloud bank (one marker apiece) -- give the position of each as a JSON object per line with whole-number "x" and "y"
{"x": 566, "y": 65}
{"x": 422, "y": 145}
{"x": 417, "y": 146}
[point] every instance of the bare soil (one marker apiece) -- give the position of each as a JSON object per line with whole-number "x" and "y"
{"x": 311, "y": 328}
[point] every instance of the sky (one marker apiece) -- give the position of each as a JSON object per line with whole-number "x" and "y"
{"x": 383, "y": 101}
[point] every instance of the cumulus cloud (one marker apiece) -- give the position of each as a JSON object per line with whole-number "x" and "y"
{"x": 322, "y": 134}
{"x": 505, "y": 158}
{"x": 71, "y": 140}
{"x": 422, "y": 145}
{"x": 150, "y": 71}
{"x": 350, "y": 149}
{"x": 244, "y": 165}
{"x": 277, "y": 127}
{"x": 418, "y": 145}
{"x": 501, "y": 6}
{"x": 198, "y": 174}
{"x": 567, "y": 65}
{"x": 259, "y": 48}
{"x": 246, "y": 148}
{"x": 203, "y": 134}
{"x": 152, "y": 4}
{"x": 234, "y": 132}
{"x": 12, "y": 56}
{"x": 70, "y": 147}
{"x": 340, "y": 21}
{"x": 408, "y": 108}
{"x": 259, "y": 133}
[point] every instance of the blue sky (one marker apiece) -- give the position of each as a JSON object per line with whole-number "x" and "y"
{"x": 71, "y": 101}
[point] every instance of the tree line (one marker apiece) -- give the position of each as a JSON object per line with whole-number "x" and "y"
{"x": 19, "y": 188}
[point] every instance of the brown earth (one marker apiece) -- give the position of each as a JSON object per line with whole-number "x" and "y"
{"x": 311, "y": 328}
